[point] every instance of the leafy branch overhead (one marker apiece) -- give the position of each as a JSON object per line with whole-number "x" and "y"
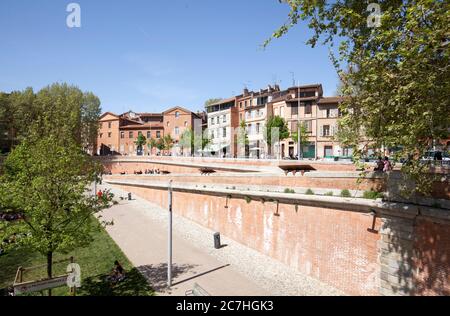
{"x": 395, "y": 75}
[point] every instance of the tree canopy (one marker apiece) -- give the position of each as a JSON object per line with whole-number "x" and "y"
{"x": 46, "y": 177}
{"x": 394, "y": 68}
{"x": 212, "y": 101}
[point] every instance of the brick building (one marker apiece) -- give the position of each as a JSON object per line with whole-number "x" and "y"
{"x": 118, "y": 133}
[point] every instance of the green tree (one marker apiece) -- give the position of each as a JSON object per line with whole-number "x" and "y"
{"x": 275, "y": 124}
{"x": 242, "y": 138}
{"x": 209, "y": 102}
{"x": 188, "y": 140}
{"x": 168, "y": 142}
{"x": 396, "y": 73}
{"x": 304, "y": 136}
{"x": 46, "y": 178}
{"x": 160, "y": 144}
{"x": 90, "y": 114}
{"x": 23, "y": 108}
{"x": 152, "y": 143}
{"x": 140, "y": 142}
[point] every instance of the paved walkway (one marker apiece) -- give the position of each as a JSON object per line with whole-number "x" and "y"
{"x": 143, "y": 238}
{"x": 140, "y": 230}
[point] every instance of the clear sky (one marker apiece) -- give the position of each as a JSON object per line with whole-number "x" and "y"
{"x": 148, "y": 55}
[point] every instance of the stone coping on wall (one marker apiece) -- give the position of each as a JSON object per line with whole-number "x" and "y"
{"x": 212, "y": 165}
{"x": 310, "y": 174}
{"x": 378, "y": 207}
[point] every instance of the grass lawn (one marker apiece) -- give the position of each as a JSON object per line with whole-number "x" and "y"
{"x": 96, "y": 261}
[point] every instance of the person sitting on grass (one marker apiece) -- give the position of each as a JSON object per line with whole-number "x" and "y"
{"x": 117, "y": 274}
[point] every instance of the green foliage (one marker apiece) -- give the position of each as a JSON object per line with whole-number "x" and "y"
{"x": 372, "y": 195}
{"x": 309, "y": 192}
{"x": 95, "y": 260}
{"x": 248, "y": 199}
{"x": 140, "y": 141}
{"x": 304, "y": 136}
{"x": 189, "y": 140}
{"x": 210, "y": 102}
{"x": 72, "y": 111}
{"x": 46, "y": 177}
{"x": 287, "y": 190}
{"x": 273, "y": 124}
{"x": 394, "y": 77}
{"x": 329, "y": 193}
{"x": 345, "y": 193}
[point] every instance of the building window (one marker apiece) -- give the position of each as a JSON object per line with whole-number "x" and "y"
{"x": 245, "y": 103}
{"x": 308, "y": 125}
{"x": 149, "y": 135}
{"x": 258, "y": 128}
{"x": 158, "y": 134}
{"x": 168, "y": 123}
{"x": 217, "y": 120}
{"x": 212, "y": 120}
{"x": 109, "y": 124}
{"x": 109, "y": 135}
{"x": 328, "y": 151}
{"x": 212, "y": 134}
{"x": 139, "y": 133}
{"x": 240, "y": 105}
{"x": 130, "y": 135}
{"x": 101, "y": 135}
{"x": 185, "y": 123}
{"x": 294, "y": 110}
{"x": 326, "y": 130}
{"x": 122, "y": 135}
{"x": 224, "y": 134}
{"x": 224, "y": 119}
{"x": 177, "y": 114}
{"x": 177, "y": 131}
{"x": 308, "y": 108}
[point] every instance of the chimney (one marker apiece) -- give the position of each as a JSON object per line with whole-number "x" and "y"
{"x": 245, "y": 92}
{"x": 269, "y": 88}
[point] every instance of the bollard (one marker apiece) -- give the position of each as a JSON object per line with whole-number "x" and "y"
{"x": 129, "y": 196}
{"x": 217, "y": 240}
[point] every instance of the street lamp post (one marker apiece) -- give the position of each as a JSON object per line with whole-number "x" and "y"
{"x": 169, "y": 264}
{"x": 299, "y": 143}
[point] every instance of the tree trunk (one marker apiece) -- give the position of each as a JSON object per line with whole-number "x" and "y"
{"x": 49, "y": 268}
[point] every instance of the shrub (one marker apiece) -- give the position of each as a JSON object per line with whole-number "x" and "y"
{"x": 287, "y": 190}
{"x": 248, "y": 199}
{"x": 346, "y": 193}
{"x": 329, "y": 193}
{"x": 309, "y": 192}
{"x": 372, "y": 195}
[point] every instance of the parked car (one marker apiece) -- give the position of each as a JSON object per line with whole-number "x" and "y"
{"x": 436, "y": 155}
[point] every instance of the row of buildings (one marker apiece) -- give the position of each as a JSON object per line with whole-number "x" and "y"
{"x": 298, "y": 104}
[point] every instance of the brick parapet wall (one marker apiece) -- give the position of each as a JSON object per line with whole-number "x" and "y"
{"x": 406, "y": 252}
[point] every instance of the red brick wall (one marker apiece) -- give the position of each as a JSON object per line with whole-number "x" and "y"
{"x": 330, "y": 245}
{"x": 230, "y": 180}
{"x": 432, "y": 258}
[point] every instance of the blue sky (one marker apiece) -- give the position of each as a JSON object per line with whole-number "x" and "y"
{"x": 148, "y": 55}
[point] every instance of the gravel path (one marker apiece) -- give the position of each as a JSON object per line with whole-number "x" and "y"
{"x": 271, "y": 275}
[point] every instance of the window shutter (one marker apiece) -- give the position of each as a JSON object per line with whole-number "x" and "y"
{"x": 321, "y": 131}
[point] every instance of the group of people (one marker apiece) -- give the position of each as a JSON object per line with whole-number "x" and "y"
{"x": 383, "y": 165}
{"x": 10, "y": 217}
{"x": 152, "y": 171}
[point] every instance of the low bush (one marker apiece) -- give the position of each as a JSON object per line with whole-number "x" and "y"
{"x": 372, "y": 195}
{"x": 345, "y": 193}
